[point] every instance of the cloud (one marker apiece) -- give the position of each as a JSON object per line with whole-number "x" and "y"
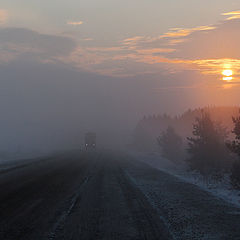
{"x": 15, "y": 42}
{"x": 220, "y": 42}
{"x": 173, "y": 42}
{"x": 91, "y": 58}
{"x": 233, "y": 15}
{"x": 3, "y": 16}
{"x": 134, "y": 40}
{"x": 216, "y": 66}
{"x": 87, "y": 39}
{"x": 164, "y": 49}
{"x": 75, "y": 23}
{"x": 155, "y": 50}
{"x": 172, "y": 37}
{"x": 208, "y": 49}
{"x": 183, "y": 32}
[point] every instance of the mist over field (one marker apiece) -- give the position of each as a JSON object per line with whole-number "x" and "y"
{"x": 119, "y": 120}
{"x": 49, "y": 107}
{"x": 66, "y": 73}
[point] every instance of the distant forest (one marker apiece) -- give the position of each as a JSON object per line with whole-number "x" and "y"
{"x": 151, "y": 127}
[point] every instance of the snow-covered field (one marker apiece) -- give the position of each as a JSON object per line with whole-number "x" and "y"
{"x": 221, "y": 189}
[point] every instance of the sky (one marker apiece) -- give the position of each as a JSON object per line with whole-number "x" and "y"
{"x": 72, "y": 66}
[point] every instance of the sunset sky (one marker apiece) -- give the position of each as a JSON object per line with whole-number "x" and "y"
{"x": 125, "y": 38}
{"x": 131, "y": 57}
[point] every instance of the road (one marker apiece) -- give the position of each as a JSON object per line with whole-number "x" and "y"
{"x": 106, "y": 195}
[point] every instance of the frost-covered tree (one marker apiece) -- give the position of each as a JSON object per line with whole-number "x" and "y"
{"x": 207, "y": 149}
{"x": 171, "y": 145}
{"x": 234, "y": 146}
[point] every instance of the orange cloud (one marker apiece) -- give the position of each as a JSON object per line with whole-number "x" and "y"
{"x": 183, "y": 32}
{"x": 216, "y": 66}
{"x": 3, "y": 16}
{"x": 173, "y": 37}
{"x": 176, "y": 41}
{"x": 154, "y": 51}
{"x": 207, "y": 49}
{"x": 73, "y": 23}
{"x": 233, "y": 15}
{"x": 134, "y": 41}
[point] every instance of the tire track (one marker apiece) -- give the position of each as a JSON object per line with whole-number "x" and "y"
{"x": 29, "y": 206}
{"x": 60, "y": 223}
{"x": 148, "y": 223}
{"x": 64, "y": 224}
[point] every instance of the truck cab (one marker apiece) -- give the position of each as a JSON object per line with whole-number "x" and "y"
{"x": 90, "y": 140}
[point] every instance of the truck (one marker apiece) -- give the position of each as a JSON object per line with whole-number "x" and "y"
{"x": 90, "y": 141}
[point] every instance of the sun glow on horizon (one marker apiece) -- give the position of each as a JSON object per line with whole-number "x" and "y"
{"x": 227, "y": 72}
{"x": 227, "y": 75}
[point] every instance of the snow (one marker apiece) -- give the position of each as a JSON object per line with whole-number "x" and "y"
{"x": 221, "y": 189}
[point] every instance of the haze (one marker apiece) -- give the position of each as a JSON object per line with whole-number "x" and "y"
{"x": 68, "y": 67}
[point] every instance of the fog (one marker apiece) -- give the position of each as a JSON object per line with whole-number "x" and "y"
{"x": 55, "y": 87}
{"x": 119, "y": 119}
{"x": 46, "y": 107}
{"x": 49, "y": 107}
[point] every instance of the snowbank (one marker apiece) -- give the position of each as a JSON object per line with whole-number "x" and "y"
{"x": 222, "y": 189}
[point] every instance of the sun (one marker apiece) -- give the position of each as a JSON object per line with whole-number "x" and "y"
{"x": 227, "y": 74}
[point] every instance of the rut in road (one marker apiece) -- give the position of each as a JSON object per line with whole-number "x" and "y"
{"x": 59, "y": 225}
{"x": 81, "y": 219}
{"x": 29, "y": 201}
{"x": 148, "y": 222}
{"x": 61, "y": 218}
{"x": 110, "y": 207}
{"x": 98, "y": 196}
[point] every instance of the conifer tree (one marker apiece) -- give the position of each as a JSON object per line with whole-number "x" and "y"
{"x": 171, "y": 145}
{"x": 207, "y": 151}
{"x": 234, "y": 146}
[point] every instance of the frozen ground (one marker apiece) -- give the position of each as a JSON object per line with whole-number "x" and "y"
{"x": 11, "y": 161}
{"x": 221, "y": 189}
{"x": 105, "y": 196}
{"x": 76, "y": 196}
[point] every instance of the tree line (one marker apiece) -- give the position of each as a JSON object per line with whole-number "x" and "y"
{"x": 207, "y": 140}
{"x": 209, "y": 151}
{"x": 151, "y": 126}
